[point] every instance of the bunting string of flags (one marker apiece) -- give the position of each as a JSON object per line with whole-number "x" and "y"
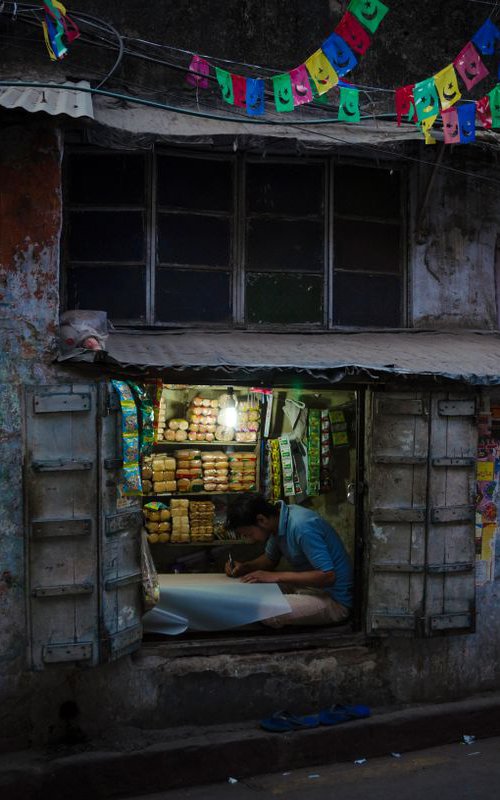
{"x": 423, "y": 102}
{"x": 57, "y": 26}
{"x": 324, "y": 69}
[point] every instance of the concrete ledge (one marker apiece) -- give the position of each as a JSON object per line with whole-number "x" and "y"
{"x": 187, "y": 757}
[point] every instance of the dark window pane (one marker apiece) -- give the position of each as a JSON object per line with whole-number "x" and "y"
{"x": 192, "y": 239}
{"x": 367, "y": 300}
{"x": 284, "y": 245}
{"x": 285, "y": 188}
{"x": 103, "y": 180}
{"x": 192, "y": 296}
{"x": 367, "y": 192}
{"x": 195, "y": 183}
{"x": 121, "y": 291}
{"x": 284, "y": 298}
{"x": 368, "y": 246}
{"x": 106, "y": 236}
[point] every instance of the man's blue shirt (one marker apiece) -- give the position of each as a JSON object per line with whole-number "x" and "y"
{"x": 308, "y": 542}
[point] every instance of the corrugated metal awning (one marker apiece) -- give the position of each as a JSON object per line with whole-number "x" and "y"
{"x": 70, "y": 101}
{"x": 468, "y": 356}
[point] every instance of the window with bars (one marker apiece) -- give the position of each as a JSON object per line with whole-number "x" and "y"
{"x": 174, "y": 239}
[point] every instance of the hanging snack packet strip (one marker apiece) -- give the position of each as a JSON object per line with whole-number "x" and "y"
{"x": 132, "y": 484}
{"x": 275, "y": 464}
{"x": 340, "y": 437}
{"x": 287, "y": 466}
{"x": 313, "y": 451}
{"x": 144, "y": 404}
{"x": 326, "y": 472}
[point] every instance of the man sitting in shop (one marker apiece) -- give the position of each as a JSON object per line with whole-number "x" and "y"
{"x": 319, "y": 589}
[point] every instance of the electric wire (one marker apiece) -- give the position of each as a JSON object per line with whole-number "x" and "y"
{"x": 299, "y": 125}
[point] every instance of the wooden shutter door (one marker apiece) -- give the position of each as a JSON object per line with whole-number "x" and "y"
{"x": 120, "y": 627}
{"x": 60, "y": 472}
{"x": 83, "y": 550}
{"x": 420, "y": 473}
{"x": 450, "y": 580}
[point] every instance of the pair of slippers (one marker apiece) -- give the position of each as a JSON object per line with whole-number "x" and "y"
{"x": 283, "y": 721}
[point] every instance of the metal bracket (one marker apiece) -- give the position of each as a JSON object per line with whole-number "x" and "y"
{"x": 61, "y": 465}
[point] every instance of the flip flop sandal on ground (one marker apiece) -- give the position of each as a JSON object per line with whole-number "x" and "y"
{"x": 339, "y": 714}
{"x": 283, "y": 721}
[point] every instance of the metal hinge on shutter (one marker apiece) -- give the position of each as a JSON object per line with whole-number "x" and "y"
{"x": 67, "y": 651}
{"x": 457, "y": 408}
{"x": 54, "y": 402}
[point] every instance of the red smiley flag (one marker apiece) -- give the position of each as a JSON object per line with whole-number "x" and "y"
{"x": 470, "y": 66}
{"x": 198, "y": 68}
{"x": 353, "y": 34}
{"x": 483, "y": 112}
{"x": 239, "y": 90}
{"x": 405, "y": 103}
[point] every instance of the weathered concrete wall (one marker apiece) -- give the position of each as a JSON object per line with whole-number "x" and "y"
{"x": 452, "y": 243}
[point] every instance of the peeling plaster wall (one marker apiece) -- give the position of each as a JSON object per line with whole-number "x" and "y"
{"x": 30, "y": 223}
{"x": 454, "y": 239}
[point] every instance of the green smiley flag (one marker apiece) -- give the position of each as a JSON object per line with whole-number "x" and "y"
{"x": 494, "y": 96}
{"x": 349, "y": 105}
{"x": 426, "y": 99}
{"x": 369, "y": 12}
{"x": 283, "y": 94}
{"x": 225, "y": 81}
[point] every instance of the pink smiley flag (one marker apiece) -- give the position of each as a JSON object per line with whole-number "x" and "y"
{"x": 470, "y": 66}
{"x": 301, "y": 88}
{"x": 198, "y": 68}
{"x": 451, "y": 129}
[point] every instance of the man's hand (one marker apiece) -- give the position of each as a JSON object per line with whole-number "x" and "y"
{"x": 260, "y": 576}
{"x": 238, "y": 569}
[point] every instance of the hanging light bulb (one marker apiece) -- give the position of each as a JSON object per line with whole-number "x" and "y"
{"x": 229, "y": 414}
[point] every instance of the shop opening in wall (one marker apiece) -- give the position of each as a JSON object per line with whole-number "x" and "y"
{"x": 213, "y": 448}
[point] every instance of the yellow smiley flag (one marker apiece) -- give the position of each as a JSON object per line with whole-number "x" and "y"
{"x": 447, "y": 86}
{"x": 321, "y": 71}
{"x": 426, "y": 125}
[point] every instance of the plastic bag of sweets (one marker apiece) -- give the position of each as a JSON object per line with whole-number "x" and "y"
{"x": 132, "y": 484}
{"x": 150, "y": 582}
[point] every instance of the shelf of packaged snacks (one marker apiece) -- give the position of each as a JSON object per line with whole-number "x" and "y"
{"x": 202, "y": 445}
{"x": 193, "y": 494}
{"x": 213, "y": 543}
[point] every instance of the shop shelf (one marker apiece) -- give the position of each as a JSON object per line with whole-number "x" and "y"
{"x": 214, "y": 543}
{"x": 203, "y": 445}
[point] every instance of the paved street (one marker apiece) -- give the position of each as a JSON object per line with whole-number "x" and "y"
{"x": 457, "y": 772}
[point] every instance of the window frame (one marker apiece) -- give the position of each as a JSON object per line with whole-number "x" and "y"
{"x": 238, "y": 244}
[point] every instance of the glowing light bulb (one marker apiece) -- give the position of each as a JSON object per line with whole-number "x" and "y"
{"x": 229, "y": 417}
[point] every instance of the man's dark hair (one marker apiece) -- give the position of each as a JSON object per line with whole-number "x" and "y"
{"x": 244, "y": 511}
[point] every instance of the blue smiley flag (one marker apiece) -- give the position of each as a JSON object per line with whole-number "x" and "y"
{"x": 467, "y": 122}
{"x": 486, "y": 37}
{"x": 339, "y": 54}
{"x": 255, "y": 97}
